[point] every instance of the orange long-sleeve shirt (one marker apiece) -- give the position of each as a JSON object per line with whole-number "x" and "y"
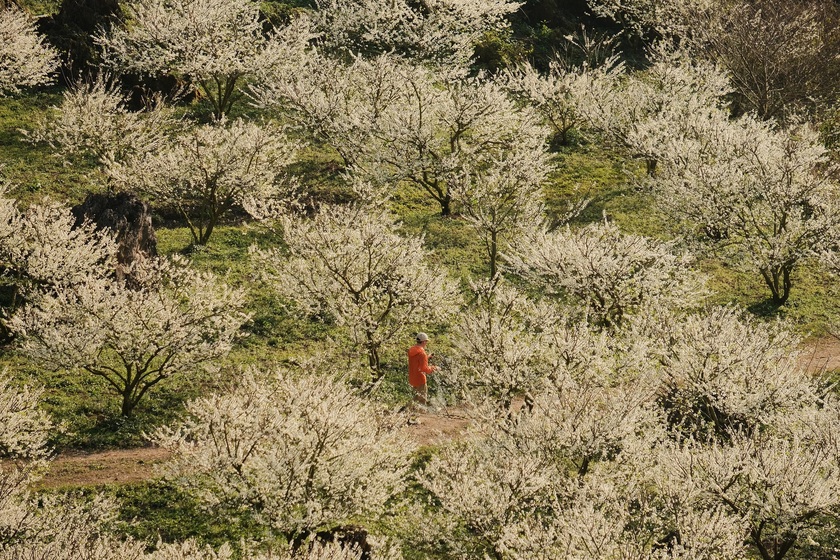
{"x": 418, "y": 366}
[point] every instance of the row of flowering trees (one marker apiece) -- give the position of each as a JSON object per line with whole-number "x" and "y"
{"x": 71, "y": 527}
{"x": 664, "y": 432}
{"x": 762, "y": 193}
{"x": 613, "y": 414}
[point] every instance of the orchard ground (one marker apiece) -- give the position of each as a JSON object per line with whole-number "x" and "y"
{"x": 104, "y": 449}
{"x": 73, "y": 469}
{"x": 127, "y": 466}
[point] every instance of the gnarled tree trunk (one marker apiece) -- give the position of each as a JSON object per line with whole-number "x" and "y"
{"x": 129, "y": 219}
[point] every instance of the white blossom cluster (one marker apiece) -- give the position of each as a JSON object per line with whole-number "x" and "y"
{"x": 612, "y": 415}
{"x": 349, "y": 263}
{"x": 287, "y": 421}
{"x": 205, "y": 171}
{"x": 335, "y": 103}
{"x": 391, "y": 120}
{"x": 37, "y": 527}
{"x": 41, "y": 249}
{"x": 645, "y": 18}
{"x": 559, "y": 95}
{"x": 302, "y": 451}
{"x": 24, "y": 58}
{"x": 93, "y": 119}
{"x": 467, "y": 128}
{"x": 441, "y": 31}
{"x": 768, "y": 196}
{"x": 213, "y": 44}
{"x": 73, "y": 309}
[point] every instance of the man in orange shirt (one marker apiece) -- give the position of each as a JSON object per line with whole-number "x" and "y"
{"x": 418, "y": 368}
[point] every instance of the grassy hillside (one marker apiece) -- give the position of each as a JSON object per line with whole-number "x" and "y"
{"x": 583, "y": 170}
{"x": 87, "y": 409}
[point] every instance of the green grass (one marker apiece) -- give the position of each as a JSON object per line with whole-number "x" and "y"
{"x": 34, "y": 171}
{"x": 608, "y": 181}
{"x": 157, "y": 510}
{"x": 87, "y": 407}
{"x": 41, "y": 7}
{"x": 813, "y": 306}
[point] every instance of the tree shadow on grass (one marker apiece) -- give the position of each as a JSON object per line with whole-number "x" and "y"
{"x": 92, "y": 422}
{"x": 767, "y": 309}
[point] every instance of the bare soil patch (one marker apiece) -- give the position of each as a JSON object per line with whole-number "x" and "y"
{"x": 437, "y": 427}
{"x": 120, "y": 466}
{"x": 821, "y": 354}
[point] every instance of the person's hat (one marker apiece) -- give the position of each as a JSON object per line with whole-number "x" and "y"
{"x": 422, "y": 337}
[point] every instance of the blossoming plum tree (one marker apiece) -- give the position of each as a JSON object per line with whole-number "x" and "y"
{"x": 208, "y": 170}
{"x": 349, "y": 263}
{"x": 766, "y": 196}
{"x": 614, "y": 274}
{"x": 43, "y": 249}
{"x": 24, "y": 58}
{"x": 443, "y": 32}
{"x": 214, "y": 44}
{"x": 557, "y": 94}
{"x": 174, "y": 321}
{"x": 93, "y": 119}
{"x": 435, "y": 134}
{"x": 302, "y": 450}
{"x": 335, "y": 103}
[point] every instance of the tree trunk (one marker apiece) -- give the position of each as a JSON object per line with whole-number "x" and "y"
{"x": 777, "y": 551}
{"x": 129, "y": 400}
{"x": 221, "y": 94}
{"x": 204, "y": 224}
{"x": 127, "y": 406}
{"x": 445, "y": 205}
{"x": 129, "y": 219}
{"x": 584, "y": 467}
{"x": 373, "y": 356}
{"x": 204, "y": 238}
{"x": 779, "y": 282}
{"x": 373, "y": 361}
{"x": 785, "y": 285}
{"x": 494, "y": 253}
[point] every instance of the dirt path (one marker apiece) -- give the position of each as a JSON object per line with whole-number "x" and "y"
{"x": 124, "y": 466}
{"x": 822, "y": 354}
{"x": 121, "y": 466}
{"x": 437, "y": 427}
